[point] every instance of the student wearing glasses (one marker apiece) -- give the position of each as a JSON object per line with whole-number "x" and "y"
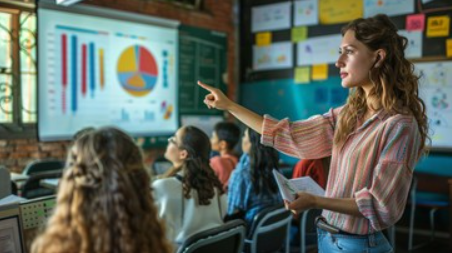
{"x": 192, "y": 200}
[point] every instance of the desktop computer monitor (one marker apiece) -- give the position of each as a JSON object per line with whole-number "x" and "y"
{"x": 10, "y": 229}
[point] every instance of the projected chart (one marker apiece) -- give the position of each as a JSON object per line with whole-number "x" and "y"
{"x": 137, "y": 71}
{"x": 115, "y": 73}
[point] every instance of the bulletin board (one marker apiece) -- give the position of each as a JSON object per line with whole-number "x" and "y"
{"x": 299, "y": 40}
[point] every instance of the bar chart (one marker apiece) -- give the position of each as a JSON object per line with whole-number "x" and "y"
{"x": 82, "y": 64}
{"x": 115, "y": 73}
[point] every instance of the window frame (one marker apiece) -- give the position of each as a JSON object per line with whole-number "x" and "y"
{"x": 17, "y": 129}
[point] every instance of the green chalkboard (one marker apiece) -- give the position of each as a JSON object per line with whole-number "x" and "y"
{"x": 202, "y": 56}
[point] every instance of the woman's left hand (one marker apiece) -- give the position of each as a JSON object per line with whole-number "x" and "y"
{"x": 303, "y": 201}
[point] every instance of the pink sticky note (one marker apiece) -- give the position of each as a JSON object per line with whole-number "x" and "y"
{"x": 415, "y": 22}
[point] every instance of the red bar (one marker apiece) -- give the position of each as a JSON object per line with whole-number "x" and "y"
{"x": 84, "y": 69}
{"x": 64, "y": 55}
{"x": 64, "y": 70}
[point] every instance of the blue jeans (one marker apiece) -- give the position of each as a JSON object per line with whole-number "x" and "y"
{"x": 374, "y": 243}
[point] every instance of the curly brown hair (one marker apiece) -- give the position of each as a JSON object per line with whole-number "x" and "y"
{"x": 198, "y": 174}
{"x": 104, "y": 202}
{"x": 395, "y": 86}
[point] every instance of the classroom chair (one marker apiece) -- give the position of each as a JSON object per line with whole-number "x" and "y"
{"x": 227, "y": 238}
{"x": 33, "y": 188}
{"x": 43, "y": 166}
{"x": 418, "y": 200}
{"x": 269, "y": 231}
{"x": 308, "y": 229}
{"x": 5, "y": 182}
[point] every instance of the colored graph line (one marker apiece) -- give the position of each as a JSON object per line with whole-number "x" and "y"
{"x": 64, "y": 70}
{"x": 101, "y": 68}
{"x": 84, "y": 70}
{"x": 130, "y": 36}
{"x": 74, "y": 74}
{"x": 92, "y": 71}
{"x": 81, "y": 30}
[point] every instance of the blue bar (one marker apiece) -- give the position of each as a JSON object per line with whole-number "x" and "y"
{"x": 74, "y": 73}
{"x": 92, "y": 79}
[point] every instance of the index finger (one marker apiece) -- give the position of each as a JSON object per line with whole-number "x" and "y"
{"x": 205, "y": 86}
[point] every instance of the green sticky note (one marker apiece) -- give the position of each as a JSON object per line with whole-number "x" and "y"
{"x": 302, "y": 75}
{"x": 299, "y": 33}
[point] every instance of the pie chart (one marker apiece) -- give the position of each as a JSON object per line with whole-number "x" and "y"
{"x": 137, "y": 71}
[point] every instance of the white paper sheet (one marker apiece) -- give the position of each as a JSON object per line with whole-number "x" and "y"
{"x": 319, "y": 50}
{"x": 306, "y": 12}
{"x": 271, "y": 17}
{"x": 435, "y": 89}
{"x": 276, "y": 56}
{"x": 307, "y": 184}
{"x": 388, "y": 7}
{"x": 289, "y": 188}
{"x": 414, "y": 48}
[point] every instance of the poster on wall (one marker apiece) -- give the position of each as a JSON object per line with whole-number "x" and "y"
{"x": 271, "y": 17}
{"x": 275, "y": 56}
{"x": 306, "y": 12}
{"x": 388, "y": 7}
{"x": 342, "y": 11}
{"x": 318, "y": 50}
{"x": 414, "y": 47}
{"x": 436, "y": 90}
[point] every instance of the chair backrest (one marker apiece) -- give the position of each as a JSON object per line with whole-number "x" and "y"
{"x": 227, "y": 238}
{"x": 33, "y": 188}
{"x": 269, "y": 231}
{"x": 5, "y": 182}
{"x": 39, "y": 166}
{"x": 308, "y": 227}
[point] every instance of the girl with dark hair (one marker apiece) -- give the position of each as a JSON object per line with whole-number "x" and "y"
{"x": 103, "y": 204}
{"x": 252, "y": 186}
{"x": 374, "y": 140}
{"x": 192, "y": 200}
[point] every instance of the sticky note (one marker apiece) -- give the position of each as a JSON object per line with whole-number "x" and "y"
{"x": 263, "y": 39}
{"x": 415, "y": 22}
{"x": 302, "y": 75}
{"x": 449, "y": 47}
{"x": 299, "y": 33}
{"x": 438, "y": 26}
{"x": 320, "y": 72}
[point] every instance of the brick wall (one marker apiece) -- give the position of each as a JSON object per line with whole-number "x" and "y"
{"x": 217, "y": 15}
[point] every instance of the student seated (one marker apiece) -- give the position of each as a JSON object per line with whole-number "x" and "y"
{"x": 224, "y": 138}
{"x": 103, "y": 201}
{"x": 193, "y": 199}
{"x": 317, "y": 169}
{"x": 252, "y": 186}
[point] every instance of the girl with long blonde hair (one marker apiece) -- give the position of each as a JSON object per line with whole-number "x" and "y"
{"x": 374, "y": 140}
{"x": 104, "y": 204}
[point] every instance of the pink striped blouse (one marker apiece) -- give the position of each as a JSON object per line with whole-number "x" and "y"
{"x": 374, "y": 166}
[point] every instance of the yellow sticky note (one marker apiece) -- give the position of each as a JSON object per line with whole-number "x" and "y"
{"x": 335, "y": 12}
{"x": 320, "y": 72}
{"x": 302, "y": 75}
{"x": 263, "y": 39}
{"x": 449, "y": 47}
{"x": 299, "y": 33}
{"x": 438, "y": 26}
